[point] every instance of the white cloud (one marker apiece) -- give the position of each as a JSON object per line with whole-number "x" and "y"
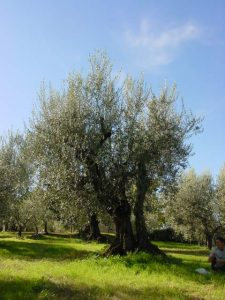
{"x": 160, "y": 48}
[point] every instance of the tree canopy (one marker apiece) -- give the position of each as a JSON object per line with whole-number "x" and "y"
{"x": 99, "y": 139}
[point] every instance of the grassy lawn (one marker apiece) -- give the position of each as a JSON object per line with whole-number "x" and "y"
{"x": 61, "y": 267}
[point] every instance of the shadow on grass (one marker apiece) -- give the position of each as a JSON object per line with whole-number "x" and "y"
{"x": 177, "y": 245}
{"x": 187, "y": 252}
{"x": 106, "y": 238}
{"x": 5, "y": 236}
{"x": 36, "y": 251}
{"x": 170, "y": 266}
{"x": 19, "y": 289}
{"x": 60, "y": 235}
{"x": 144, "y": 260}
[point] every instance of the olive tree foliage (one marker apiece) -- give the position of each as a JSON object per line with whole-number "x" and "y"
{"x": 67, "y": 207}
{"x": 15, "y": 178}
{"x": 162, "y": 150}
{"x": 101, "y": 138}
{"x": 192, "y": 210}
{"x": 154, "y": 212}
{"x": 220, "y": 194}
{"x": 38, "y": 208}
{"x": 6, "y": 187}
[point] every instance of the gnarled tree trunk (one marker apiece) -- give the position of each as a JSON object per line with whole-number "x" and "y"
{"x": 20, "y": 229}
{"x": 124, "y": 240}
{"x": 95, "y": 233}
{"x": 3, "y": 226}
{"x": 209, "y": 240}
{"x": 45, "y": 227}
{"x": 36, "y": 230}
{"x": 143, "y": 241}
{"x": 91, "y": 231}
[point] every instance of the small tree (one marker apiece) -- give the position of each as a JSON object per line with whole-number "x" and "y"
{"x": 220, "y": 194}
{"x": 192, "y": 210}
{"x": 15, "y": 176}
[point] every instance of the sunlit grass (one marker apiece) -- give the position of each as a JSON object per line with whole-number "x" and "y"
{"x": 57, "y": 267}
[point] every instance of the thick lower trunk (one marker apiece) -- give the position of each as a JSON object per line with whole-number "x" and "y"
{"x": 46, "y": 227}
{"x": 36, "y": 230}
{"x": 142, "y": 237}
{"x": 91, "y": 231}
{"x": 20, "y": 229}
{"x": 143, "y": 240}
{"x": 95, "y": 233}
{"x": 209, "y": 241}
{"x": 124, "y": 240}
{"x": 3, "y": 226}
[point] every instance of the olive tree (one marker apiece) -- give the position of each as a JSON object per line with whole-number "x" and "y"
{"x": 192, "y": 210}
{"x": 15, "y": 175}
{"x": 220, "y": 194}
{"x": 105, "y": 138}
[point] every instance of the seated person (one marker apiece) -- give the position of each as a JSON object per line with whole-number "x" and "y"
{"x": 217, "y": 256}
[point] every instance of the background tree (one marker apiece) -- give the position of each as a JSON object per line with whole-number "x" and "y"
{"x": 192, "y": 210}
{"x": 15, "y": 176}
{"x": 154, "y": 212}
{"x": 220, "y": 193}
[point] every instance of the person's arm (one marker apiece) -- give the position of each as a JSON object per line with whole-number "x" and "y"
{"x": 221, "y": 260}
{"x": 211, "y": 257}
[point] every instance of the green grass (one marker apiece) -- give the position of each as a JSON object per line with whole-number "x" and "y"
{"x": 61, "y": 267}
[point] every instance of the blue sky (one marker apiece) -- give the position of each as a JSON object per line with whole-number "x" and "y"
{"x": 174, "y": 41}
